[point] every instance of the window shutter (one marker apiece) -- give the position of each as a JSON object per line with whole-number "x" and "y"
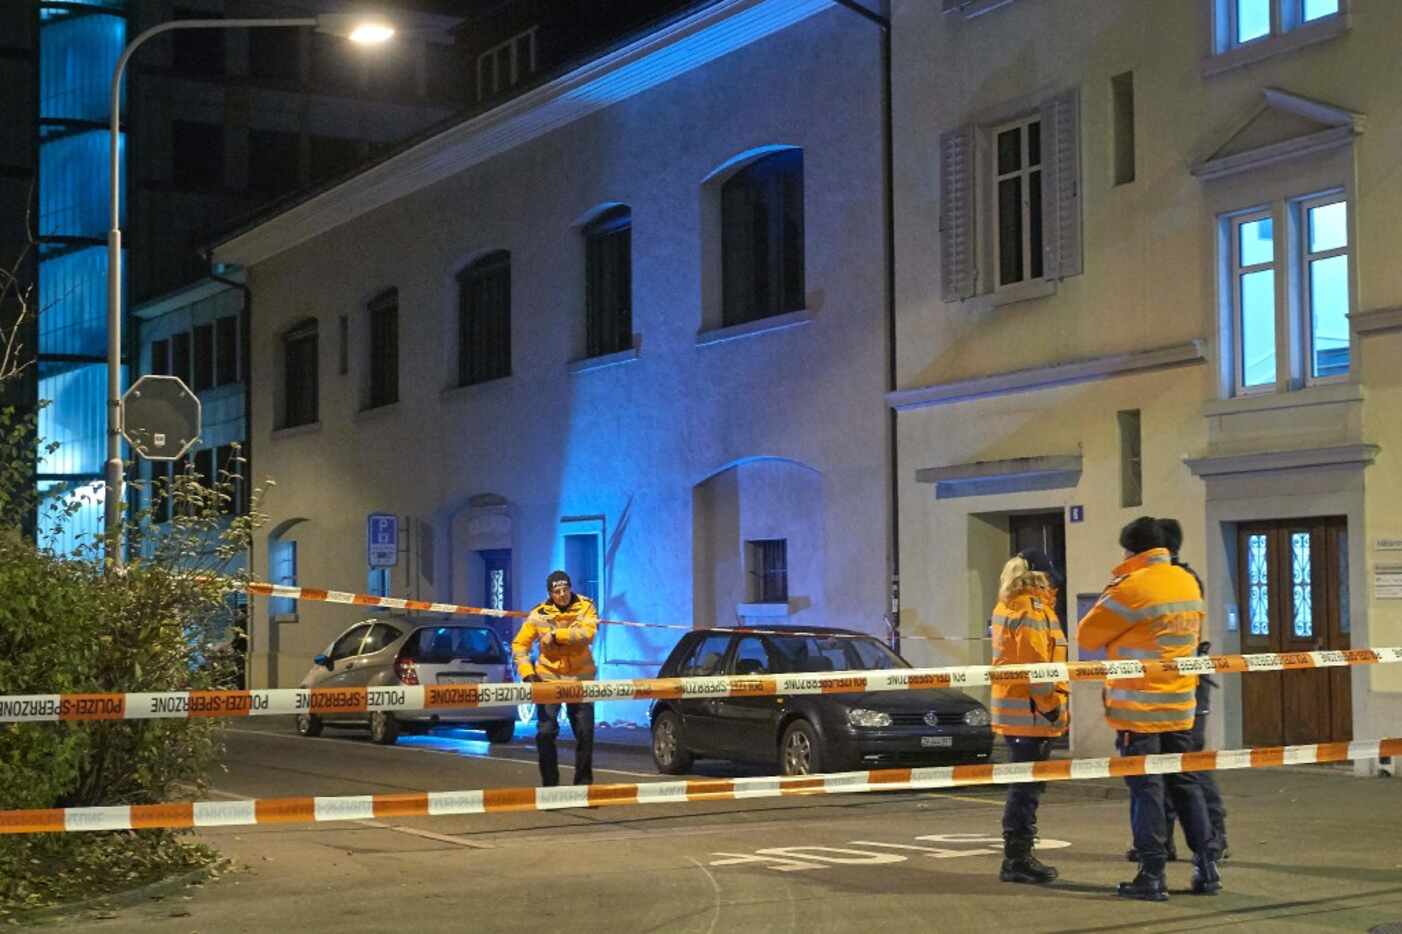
{"x": 1061, "y": 185}
{"x": 957, "y": 213}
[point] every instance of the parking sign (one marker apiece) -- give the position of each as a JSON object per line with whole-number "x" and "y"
{"x": 383, "y": 540}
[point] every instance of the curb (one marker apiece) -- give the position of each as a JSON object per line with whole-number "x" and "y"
{"x": 124, "y": 898}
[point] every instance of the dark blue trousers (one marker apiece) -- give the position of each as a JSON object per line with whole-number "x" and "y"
{"x": 1148, "y": 793}
{"x": 1020, "y": 813}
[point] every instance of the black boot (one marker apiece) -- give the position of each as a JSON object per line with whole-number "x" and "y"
{"x": 1207, "y": 880}
{"x": 1019, "y": 865}
{"x": 1148, "y": 885}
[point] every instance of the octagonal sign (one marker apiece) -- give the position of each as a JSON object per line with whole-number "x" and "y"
{"x": 160, "y": 417}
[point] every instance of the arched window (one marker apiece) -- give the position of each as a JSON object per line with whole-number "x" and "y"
{"x": 762, "y": 238}
{"x": 299, "y": 367}
{"x": 484, "y": 319}
{"x": 608, "y": 275}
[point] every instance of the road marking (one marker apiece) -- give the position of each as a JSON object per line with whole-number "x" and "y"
{"x": 808, "y": 857}
{"x": 429, "y": 749}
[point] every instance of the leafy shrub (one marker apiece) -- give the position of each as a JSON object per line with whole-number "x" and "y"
{"x": 68, "y": 624}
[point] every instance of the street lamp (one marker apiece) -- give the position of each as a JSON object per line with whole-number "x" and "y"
{"x": 365, "y": 30}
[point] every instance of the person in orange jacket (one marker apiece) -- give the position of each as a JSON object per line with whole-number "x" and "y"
{"x": 1026, "y": 631}
{"x": 564, "y": 626}
{"x": 1153, "y": 610}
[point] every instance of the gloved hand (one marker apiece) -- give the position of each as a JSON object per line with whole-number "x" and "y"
{"x": 531, "y": 678}
{"x": 1052, "y": 715}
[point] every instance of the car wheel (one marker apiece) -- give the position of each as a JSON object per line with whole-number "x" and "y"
{"x": 384, "y": 729}
{"x": 668, "y": 753}
{"x": 308, "y": 725}
{"x": 501, "y": 732}
{"x": 800, "y": 750}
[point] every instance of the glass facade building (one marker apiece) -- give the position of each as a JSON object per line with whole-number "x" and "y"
{"x": 79, "y": 44}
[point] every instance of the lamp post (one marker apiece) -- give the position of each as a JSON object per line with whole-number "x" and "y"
{"x": 361, "y": 29}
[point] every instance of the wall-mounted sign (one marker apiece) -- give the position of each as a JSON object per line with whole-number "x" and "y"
{"x": 382, "y": 533}
{"x": 1387, "y": 583}
{"x": 1387, "y": 544}
{"x": 1077, "y": 513}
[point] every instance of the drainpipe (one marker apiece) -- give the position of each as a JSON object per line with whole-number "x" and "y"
{"x": 888, "y": 201}
{"x": 246, "y": 452}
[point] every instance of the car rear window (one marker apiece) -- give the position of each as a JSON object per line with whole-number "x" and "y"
{"x": 793, "y": 654}
{"x": 442, "y": 644}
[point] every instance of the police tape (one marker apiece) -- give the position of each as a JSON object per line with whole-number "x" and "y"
{"x": 503, "y": 800}
{"x": 155, "y": 705}
{"x": 346, "y": 598}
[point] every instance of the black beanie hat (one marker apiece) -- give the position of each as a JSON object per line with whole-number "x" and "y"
{"x": 1141, "y": 535}
{"x": 1172, "y": 533}
{"x": 1038, "y": 560}
{"x": 555, "y": 577}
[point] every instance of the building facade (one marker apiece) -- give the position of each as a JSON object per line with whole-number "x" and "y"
{"x": 630, "y": 323}
{"x": 232, "y": 120}
{"x": 1143, "y": 268}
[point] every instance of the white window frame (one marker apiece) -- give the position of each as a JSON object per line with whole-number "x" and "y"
{"x": 1238, "y": 271}
{"x": 514, "y": 68}
{"x": 1289, "y": 30}
{"x": 1025, "y": 171}
{"x": 1294, "y": 320}
{"x": 1301, "y": 208}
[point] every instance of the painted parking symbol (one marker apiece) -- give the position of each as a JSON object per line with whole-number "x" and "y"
{"x": 806, "y": 857}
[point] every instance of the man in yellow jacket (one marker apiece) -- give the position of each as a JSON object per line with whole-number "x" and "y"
{"x": 1153, "y": 610}
{"x": 1027, "y": 716}
{"x": 564, "y": 627}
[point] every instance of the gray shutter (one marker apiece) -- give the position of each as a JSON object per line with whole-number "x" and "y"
{"x": 1061, "y": 185}
{"x": 957, "y": 213}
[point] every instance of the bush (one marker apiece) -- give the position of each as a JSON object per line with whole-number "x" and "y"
{"x": 68, "y": 625}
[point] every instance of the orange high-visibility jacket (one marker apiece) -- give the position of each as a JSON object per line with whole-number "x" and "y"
{"x": 1027, "y": 632}
{"x": 1152, "y": 611}
{"x": 568, "y": 654}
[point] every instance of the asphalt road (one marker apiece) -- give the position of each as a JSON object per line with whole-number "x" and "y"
{"x": 1313, "y": 849}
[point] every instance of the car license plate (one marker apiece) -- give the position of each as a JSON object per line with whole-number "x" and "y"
{"x": 937, "y": 741}
{"x": 458, "y": 677}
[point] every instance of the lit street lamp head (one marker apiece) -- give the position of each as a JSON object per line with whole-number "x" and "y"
{"x": 366, "y": 30}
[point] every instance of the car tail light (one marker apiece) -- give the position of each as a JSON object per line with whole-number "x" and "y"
{"x": 407, "y": 671}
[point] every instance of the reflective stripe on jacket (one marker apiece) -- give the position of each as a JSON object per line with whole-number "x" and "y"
{"x": 1152, "y": 611}
{"x": 1027, "y": 632}
{"x": 568, "y": 654}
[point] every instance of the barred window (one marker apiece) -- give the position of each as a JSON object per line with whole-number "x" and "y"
{"x": 609, "y": 282}
{"x": 384, "y": 349}
{"x": 484, "y": 319}
{"x": 769, "y": 570}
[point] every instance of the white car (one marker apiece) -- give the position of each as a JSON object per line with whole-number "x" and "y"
{"x": 395, "y": 650}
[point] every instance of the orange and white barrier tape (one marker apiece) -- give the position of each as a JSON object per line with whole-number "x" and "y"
{"x": 347, "y": 598}
{"x": 274, "y": 701}
{"x": 499, "y": 800}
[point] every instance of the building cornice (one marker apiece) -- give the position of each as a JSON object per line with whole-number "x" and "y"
{"x": 1377, "y": 320}
{"x": 1015, "y": 475}
{"x": 1047, "y": 377}
{"x": 673, "y": 50}
{"x": 1356, "y": 456}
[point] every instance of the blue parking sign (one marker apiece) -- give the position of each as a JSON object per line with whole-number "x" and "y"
{"x": 383, "y": 539}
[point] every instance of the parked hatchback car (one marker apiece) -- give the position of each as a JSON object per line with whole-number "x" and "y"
{"x": 809, "y": 733}
{"x": 397, "y": 650}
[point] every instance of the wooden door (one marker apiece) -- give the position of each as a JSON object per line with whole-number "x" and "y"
{"x": 1046, "y": 532}
{"x": 1292, "y": 580}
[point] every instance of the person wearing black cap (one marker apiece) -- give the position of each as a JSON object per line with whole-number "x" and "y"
{"x": 563, "y": 626}
{"x": 1212, "y": 796}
